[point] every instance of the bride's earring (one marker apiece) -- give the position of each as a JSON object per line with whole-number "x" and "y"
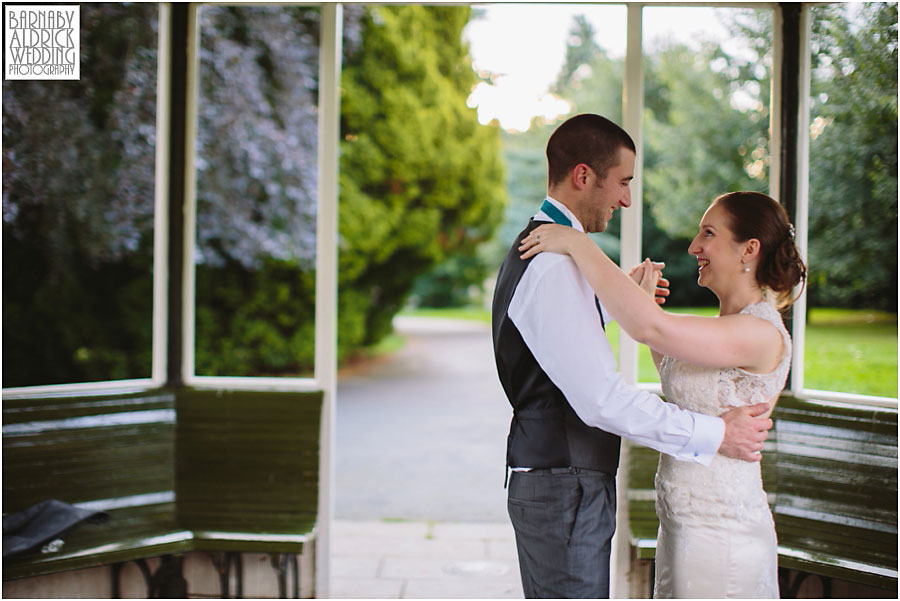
{"x": 746, "y": 269}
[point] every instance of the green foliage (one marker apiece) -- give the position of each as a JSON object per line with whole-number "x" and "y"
{"x": 589, "y": 80}
{"x": 255, "y": 321}
{"x": 78, "y": 168}
{"x": 697, "y": 143}
{"x": 421, "y": 180}
{"x": 853, "y": 157}
{"x": 256, "y": 190}
{"x": 706, "y": 132}
{"x": 455, "y": 282}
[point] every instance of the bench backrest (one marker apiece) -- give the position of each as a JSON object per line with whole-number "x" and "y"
{"x": 88, "y": 448}
{"x": 230, "y": 461}
{"x": 836, "y": 482}
{"x": 247, "y": 461}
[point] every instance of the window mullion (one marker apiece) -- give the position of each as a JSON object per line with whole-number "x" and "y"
{"x": 801, "y": 214}
{"x": 632, "y": 115}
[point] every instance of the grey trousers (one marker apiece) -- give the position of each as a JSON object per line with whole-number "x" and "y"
{"x": 564, "y": 521}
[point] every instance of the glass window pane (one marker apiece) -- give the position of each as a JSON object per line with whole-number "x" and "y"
{"x": 851, "y": 330}
{"x": 256, "y": 190}
{"x": 78, "y": 201}
{"x": 706, "y": 120}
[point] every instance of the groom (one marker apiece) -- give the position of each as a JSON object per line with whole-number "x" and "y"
{"x": 569, "y": 404}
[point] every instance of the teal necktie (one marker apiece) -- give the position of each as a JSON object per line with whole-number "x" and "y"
{"x": 555, "y": 214}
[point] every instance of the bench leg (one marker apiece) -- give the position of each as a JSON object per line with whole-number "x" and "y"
{"x": 295, "y": 568}
{"x": 239, "y": 566}
{"x": 222, "y": 562}
{"x": 116, "y": 569}
{"x": 117, "y": 577}
{"x": 281, "y": 563}
{"x": 167, "y": 583}
{"x": 790, "y": 588}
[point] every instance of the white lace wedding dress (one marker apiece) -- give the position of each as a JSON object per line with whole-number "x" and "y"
{"x": 716, "y": 535}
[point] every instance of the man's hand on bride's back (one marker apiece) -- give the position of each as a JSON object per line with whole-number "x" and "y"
{"x": 746, "y": 429}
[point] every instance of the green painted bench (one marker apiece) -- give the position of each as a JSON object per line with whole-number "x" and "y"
{"x": 830, "y": 470}
{"x": 835, "y": 488}
{"x": 177, "y": 471}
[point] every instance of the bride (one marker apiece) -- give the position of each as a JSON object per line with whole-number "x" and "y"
{"x": 716, "y": 535}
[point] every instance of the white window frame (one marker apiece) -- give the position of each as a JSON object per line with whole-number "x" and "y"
{"x": 802, "y": 235}
{"x": 631, "y": 220}
{"x": 326, "y": 235}
{"x": 160, "y": 247}
{"x": 325, "y": 369}
{"x": 326, "y": 228}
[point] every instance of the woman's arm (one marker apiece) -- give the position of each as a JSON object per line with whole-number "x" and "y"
{"x": 727, "y": 341}
{"x": 654, "y": 285}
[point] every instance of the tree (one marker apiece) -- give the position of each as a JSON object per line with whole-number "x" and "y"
{"x": 421, "y": 180}
{"x": 418, "y": 178}
{"x": 702, "y": 139}
{"x": 256, "y": 189}
{"x": 78, "y": 195}
{"x": 591, "y": 82}
{"x": 589, "y": 79}
{"x": 853, "y": 157}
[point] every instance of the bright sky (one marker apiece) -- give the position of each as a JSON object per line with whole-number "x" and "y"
{"x": 524, "y": 46}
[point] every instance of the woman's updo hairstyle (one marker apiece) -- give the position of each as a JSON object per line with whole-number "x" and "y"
{"x": 755, "y": 215}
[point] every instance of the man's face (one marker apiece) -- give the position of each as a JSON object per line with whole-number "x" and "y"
{"x": 603, "y": 196}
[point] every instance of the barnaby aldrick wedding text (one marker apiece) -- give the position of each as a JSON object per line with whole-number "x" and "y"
{"x": 42, "y": 42}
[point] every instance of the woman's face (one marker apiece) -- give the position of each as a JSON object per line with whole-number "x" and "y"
{"x": 718, "y": 253}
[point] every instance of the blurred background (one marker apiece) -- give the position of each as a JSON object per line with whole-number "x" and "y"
{"x": 445, "y": 113}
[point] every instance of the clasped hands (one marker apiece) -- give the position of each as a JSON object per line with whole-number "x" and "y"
{"x": 648, "y": 275}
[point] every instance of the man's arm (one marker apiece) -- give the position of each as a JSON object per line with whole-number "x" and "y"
{"x": 643, "y": 275}
{"x": 554, "y": 312}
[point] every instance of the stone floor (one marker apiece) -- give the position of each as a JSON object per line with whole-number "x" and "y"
{"x": 423, "y": 560}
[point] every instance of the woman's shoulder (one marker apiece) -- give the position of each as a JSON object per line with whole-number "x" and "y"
{"x": 767, "y": 311}
{"x": 764, "y": 310}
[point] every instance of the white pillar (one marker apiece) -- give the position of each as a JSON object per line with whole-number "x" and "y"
{"x": 632, "y": 113}
{"x": 630, "y": 251}
{"x": 326, "y": 273}
{"x": 801, "y": 216}
{"x": 161, "y": 206}
{"x": 189, "y": 295}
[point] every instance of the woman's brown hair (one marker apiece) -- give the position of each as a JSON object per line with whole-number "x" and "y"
{"x": 755, "y": 215}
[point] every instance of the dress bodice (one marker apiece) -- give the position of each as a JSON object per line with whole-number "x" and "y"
{"x": 727, "y": 487}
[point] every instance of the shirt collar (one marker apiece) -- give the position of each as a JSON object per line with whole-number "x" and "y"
{"x": 541, "y": 216}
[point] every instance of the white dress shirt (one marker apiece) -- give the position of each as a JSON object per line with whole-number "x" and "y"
{"x": 555, "y": 311}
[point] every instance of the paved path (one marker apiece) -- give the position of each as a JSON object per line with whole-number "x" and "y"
{"x": 421, "y": 440}
{"x": 422, "y": 435}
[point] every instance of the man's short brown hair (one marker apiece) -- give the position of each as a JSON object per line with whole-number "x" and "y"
{"x": 589, "y": 139}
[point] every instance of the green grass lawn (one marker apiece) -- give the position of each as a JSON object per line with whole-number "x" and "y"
{"x": 846, "y": 350}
